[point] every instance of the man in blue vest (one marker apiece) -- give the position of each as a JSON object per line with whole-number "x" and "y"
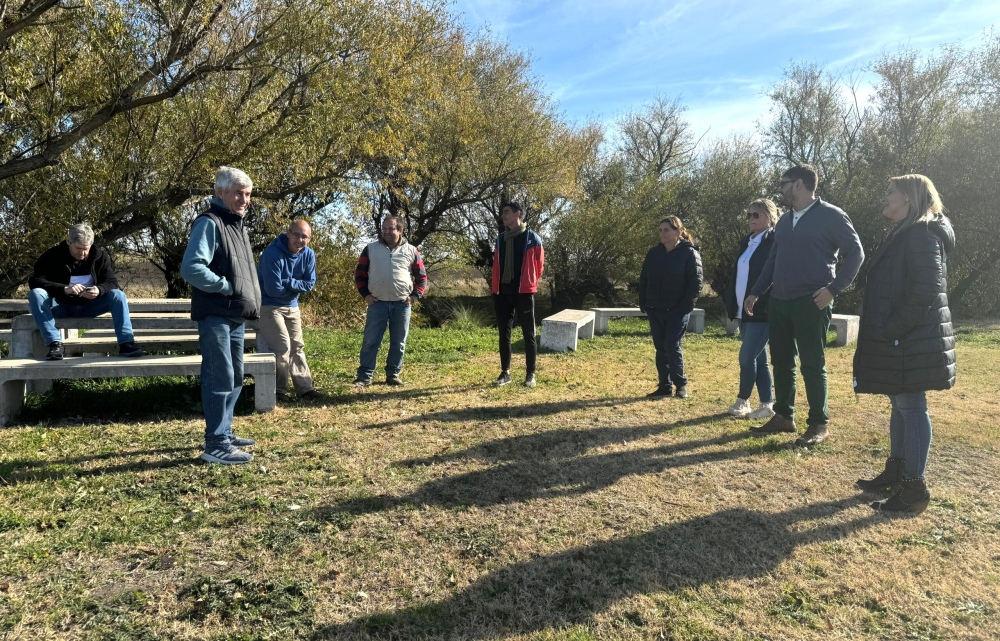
{"x": 219, "y": 265}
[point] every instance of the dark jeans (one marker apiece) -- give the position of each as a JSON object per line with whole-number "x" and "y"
{"x": 798, "y": 328}
{"x": 668, "y": 329}
{"x": 753, "y": 362}
{"x": 523, "y": 305}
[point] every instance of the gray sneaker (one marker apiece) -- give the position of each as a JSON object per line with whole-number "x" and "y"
{"x": 529, "y": 380}
{"x": 239, "y": 441}
{"x": 394, "y": 380}
{"x": 503, "y": 379}
{"x": 226, "y": 455}
{"x": 362, "y": 382}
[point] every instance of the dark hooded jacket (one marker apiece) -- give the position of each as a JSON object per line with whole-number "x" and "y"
{"x": 906, "y": 342}
{"x": 670, "y": 281}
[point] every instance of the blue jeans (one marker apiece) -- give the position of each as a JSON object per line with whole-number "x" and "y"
{"x": 910, "y": 432}
{"x": 45, "y": 309}
{"x": 668, "y": 329}
{"x": 395, "y": 314}
{"x": 221, "y": 343}
{"x": 753, "y": 362}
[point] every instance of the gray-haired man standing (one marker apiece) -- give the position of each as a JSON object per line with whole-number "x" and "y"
{"x": 219, "y": 265}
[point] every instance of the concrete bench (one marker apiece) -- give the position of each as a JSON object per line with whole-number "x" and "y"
{"x": 98, "y": 343}
{"x": 696, "y": 323}
{"x": 5, "y": 331}
{"x": 135, "y": 305}
{"x": 560, "y": 331}
{"x": 15, "y": 371}
{"x": 603, "y": 314}
{"x": 846, "y": 326}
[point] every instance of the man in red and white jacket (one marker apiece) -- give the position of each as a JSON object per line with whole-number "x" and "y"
{"x": 518, "y": 260}
{"x": 390, "y": 276}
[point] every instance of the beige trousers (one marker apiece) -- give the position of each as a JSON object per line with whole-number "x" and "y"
{"x": 281, "y": 329}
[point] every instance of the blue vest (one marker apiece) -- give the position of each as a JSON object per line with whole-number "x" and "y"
{"x": 233, "y": 260}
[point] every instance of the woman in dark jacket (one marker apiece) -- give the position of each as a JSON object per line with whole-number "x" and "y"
{"x": 905, "y": 344}
{"x": 761, "y": 216}
{"x": 669, "y": 284}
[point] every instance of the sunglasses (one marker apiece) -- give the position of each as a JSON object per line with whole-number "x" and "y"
{"x": 753, "y": 214}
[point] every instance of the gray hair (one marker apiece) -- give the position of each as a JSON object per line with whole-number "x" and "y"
{"x": 81, "y": 235}
{"x": 228, "y": 177}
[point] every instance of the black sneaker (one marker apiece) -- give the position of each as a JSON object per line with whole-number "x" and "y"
{"x": 55, "y": 352}
{"x": 529, "y": 380}
{"x": 503, "y": 379}
{"x": 660, "y": 392}
{"x": 393, "y": 380}
{"x": 682, "y": 392}
{"x": 284, "y": 397}
{"x": 312, "y": 395}
{"x": 131, "y": 350}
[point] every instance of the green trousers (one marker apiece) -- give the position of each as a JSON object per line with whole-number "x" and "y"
{"x": 798, "y": 328}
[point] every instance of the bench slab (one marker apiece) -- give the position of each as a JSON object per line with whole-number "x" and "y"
{"x": 561, "y": 331}
{"x": 696, "y": 324}
{"x": 15, "y": 371}
{"x": 847, "y": 327}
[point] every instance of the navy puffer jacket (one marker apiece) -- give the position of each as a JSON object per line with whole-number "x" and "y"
{"x": 671, "y": 281}
{"x": 906, "y": 342}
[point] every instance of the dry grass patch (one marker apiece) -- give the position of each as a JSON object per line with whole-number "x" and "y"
{"x": 450, "y": 509}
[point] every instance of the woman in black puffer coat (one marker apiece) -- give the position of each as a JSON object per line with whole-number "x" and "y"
{"x": 906, "y": 345}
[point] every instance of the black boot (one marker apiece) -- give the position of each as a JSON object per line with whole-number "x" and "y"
{"x": 888, "y": 479}
{"x": 912, "y": 496}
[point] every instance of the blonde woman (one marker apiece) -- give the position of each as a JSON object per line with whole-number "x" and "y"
{"x": 761, "y": 216}
{"x": 906, "y": 345}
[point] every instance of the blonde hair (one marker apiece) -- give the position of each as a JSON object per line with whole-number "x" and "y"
{"x": 923, "y": 198}
{"x": 676, "y": 223}
{"x": 767, "y": 206}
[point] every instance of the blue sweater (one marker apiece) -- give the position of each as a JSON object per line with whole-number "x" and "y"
{"x": 284, "y": 275}
{"x": 804, "y": 258}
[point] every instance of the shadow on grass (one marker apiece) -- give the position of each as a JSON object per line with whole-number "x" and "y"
{"x": 504, "y": 412}
{"x": 124, "y": 400}
{"x": 571, "y": 587}
{"x": 537, "y": 471}
{"x": 21, "y": 471}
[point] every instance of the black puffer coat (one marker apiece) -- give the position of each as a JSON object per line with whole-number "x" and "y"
{"x": 671, "y": 281}
{"x": 906, "y": 343}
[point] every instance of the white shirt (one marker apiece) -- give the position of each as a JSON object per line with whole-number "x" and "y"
{"x": 743, "y": 272}
{"x": 798, "y": 214}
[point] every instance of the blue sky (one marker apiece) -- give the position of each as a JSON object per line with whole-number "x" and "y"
{"x": 599, "y": 59}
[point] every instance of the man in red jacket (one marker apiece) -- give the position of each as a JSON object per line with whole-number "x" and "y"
{"x": 518, "y": 260}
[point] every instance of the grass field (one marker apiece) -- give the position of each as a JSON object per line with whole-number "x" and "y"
{"x": 448, "y": 509}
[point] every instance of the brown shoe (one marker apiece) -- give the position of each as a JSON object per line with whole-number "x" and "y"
{"x": 813, "y": 436}
{"x": 776, "y": 425}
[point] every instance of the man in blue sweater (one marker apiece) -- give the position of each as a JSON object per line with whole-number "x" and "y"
{"x": 287, "y": 268}
{"x": 219, "y": 265}
{"x": 801, "y": 272}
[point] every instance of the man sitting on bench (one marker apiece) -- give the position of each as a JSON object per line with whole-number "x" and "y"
{"x": 76, "y": 279}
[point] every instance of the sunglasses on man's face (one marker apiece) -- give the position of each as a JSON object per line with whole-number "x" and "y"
{"x": 753, "y": 214}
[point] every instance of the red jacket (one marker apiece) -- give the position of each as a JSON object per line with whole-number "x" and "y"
{"x": 531, "y": 267}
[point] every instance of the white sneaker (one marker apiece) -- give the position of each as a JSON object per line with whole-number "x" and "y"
{"x": 741, "y": 408}
{"x": 766, "y": 410}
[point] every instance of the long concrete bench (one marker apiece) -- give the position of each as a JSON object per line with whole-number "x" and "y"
{"x": 696, "y": 324}
{"x": 846, "y": 326}
{"x": 561, "y": 331}
{"x": 135, "y": 305}
{"x": 94, "y": 344}
{"x": 14, "y": 372}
